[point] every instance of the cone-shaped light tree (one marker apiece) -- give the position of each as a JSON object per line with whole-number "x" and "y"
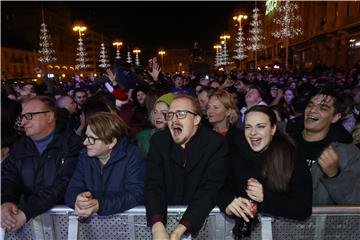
{"x": 104, "y": 61}
{"x": 289, "y": 25}
{"x": 256, "y": 37}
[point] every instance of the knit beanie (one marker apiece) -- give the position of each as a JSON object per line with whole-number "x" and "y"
{"x": 166, "y": 98}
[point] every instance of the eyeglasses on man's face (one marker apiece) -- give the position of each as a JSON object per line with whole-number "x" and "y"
{"x": 30, "y": 115}
{"x": 91, "y": 140}
{"x": 180, "y": 114}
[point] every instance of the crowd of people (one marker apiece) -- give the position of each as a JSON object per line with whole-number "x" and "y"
{"x": 274, "y": 142}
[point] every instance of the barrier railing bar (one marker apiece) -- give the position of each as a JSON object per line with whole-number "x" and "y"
{"x": 336, "y": 209}
{"x": 43, "y": 226}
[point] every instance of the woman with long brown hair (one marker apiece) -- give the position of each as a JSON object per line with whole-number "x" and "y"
{"x": 265, "y": 172}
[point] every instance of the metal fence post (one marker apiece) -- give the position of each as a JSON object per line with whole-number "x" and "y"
{"x": 73, "y": 227}
{"x": 266, "y": 228}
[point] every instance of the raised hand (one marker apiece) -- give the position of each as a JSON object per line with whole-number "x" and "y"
{"x": 227, "y": 83}
{"x": 109, "y": 74}
{"x": 155, "y": 70}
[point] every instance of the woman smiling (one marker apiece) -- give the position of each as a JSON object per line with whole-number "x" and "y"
{"x": 265, "y": 172}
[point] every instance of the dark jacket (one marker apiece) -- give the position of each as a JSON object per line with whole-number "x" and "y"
{"x": 190, "y": 176}
{"x": 41, "y": 178}
{"x": 245, "y": 163}
{"x": 118, "y": 185}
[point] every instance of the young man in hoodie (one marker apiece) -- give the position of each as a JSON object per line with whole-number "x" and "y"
{"x": 333, "y": 161}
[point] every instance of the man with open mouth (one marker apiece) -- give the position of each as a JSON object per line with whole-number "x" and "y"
{"x": 187, "y": 165}
{"x": 334, "y": 162}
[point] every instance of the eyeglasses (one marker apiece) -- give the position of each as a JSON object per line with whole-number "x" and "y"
{"x": 29, "y": 115}
{"x": 180, "y": 114}
{"x": 91, "y": 140}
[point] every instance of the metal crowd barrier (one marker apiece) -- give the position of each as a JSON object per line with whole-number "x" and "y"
{"x": 326, "y": 223}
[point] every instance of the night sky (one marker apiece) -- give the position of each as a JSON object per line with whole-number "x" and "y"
{"x": 153, "y": 25}
{"x": 150, "y": 25}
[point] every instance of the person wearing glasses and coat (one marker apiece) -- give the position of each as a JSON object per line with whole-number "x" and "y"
{"x": 40, "y": 164}
{"x": 186, "y": 165}
{"x": 109, "y": 177}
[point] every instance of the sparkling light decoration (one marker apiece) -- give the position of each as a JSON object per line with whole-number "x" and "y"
{"x": 270, "y": 6}
{"x": 81, "y": 55}
{"x": 224, "y": 52}
{"x": 240, "y": 45}
{"x": 288, "y": 22}
{"x": 46, "y": 52}
{"x": 256, "y": 37}
{"x": 217, "y": 56}
{"x": 104, "y": 61}
{"x": 117, "y": 54}
{"x": 128, "y": 59}
{"x": 137, "y": 59}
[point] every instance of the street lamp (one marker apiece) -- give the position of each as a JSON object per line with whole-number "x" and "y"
{"x": 239, "y": 18}
{"x": 162, "y": 53}
{"x": 118, "y": 45}
{"x": 137, "y": 60}
{"x": 224, "y": 53}
{"x": 79, "y": 28}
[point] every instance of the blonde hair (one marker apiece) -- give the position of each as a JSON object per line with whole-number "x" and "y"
{"x": 228, "y": 102}
{"x": 107, "y": 126}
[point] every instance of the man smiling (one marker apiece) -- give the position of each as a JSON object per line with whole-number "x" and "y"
{"x": 187, "y": 165}
{"x": 334, "y": 165}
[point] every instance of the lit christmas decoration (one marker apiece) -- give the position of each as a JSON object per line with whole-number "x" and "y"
{"x": 256, "y": 37}
{"x": 221, "y": 58}
{"x": 217, "y": 56}
{"x": 81, "y": 55}
{"x": 288, "y": 22}
{"x": 224, "y": 52}
{"x": 240, "y": 45}
{"x": 128, "y": 59}
{"x": 270, "y": 6}
{"x": 118, "y": 45}
{"x": 104, "y": 62}
{"x": 117, "y": 54}
{"x": 46, "y": 51}
{"x": 137, "y": 59}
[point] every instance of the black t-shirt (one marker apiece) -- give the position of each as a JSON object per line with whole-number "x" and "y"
{"x": 310, "y": 151}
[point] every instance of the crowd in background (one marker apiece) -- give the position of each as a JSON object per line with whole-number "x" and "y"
{"x": 261, "y": 115}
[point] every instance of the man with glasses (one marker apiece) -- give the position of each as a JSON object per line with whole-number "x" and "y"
{"x": 40, "y": 165}
{"x": 187, "y": 165}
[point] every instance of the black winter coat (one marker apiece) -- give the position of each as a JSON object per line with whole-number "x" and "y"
{"x": 195, "y": 182}
{"x": 42, "y": 179}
